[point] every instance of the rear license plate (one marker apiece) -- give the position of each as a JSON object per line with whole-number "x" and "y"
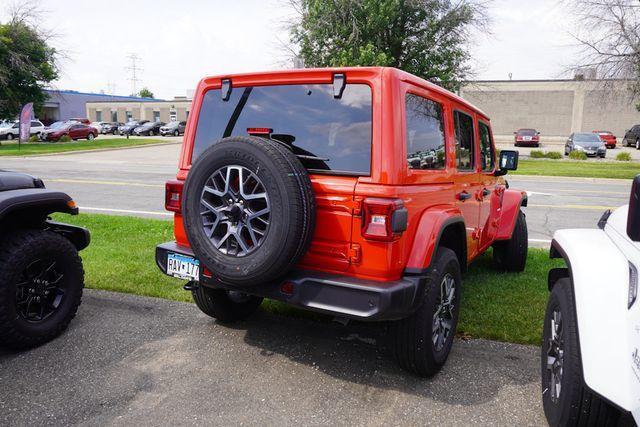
{"x": 183, "y": 267}
{"x": 527, "y": 138}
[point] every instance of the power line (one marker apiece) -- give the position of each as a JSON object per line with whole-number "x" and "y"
{"x": 135, "y": 70}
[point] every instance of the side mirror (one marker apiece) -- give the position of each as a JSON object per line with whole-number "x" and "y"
{"x": 537, "y": 133}
{"x": 633, "y": 219}
{"x": 515, "y": 133}
{"x": 508, "y": 162}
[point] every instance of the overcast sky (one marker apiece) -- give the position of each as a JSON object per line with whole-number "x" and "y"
{"x": 180, "y": 41}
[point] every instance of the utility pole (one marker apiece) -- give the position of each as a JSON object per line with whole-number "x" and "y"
{"x": 135, "y": 70}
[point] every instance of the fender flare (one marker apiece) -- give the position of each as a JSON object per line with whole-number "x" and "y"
{"x": 431, "y": 226}
{"x": 38, "y": 201}
{"x": 606, "y": 372}
{"x": 512, "y": 200}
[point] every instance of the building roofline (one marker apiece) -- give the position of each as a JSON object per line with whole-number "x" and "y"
{"x": 124, "y": 97}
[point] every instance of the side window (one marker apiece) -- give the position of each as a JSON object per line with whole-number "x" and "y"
{"x": 35, "y": 124}
{"x": 486, "y": 148}
{"x": 464, "y": 141}
{"x": 425, "y": 133}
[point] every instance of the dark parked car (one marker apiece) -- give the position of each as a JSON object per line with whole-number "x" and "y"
{"x": 173, "y": 128}
{"x": 589, "y": 143}
{"x": 632, "y": 137}
{"x": 41, "y": 275}
{"x": 72, "y": 129}
{"x": 148, "y": 128}
{"x": 127, "y": 128}
{"x": 111, "y": 127}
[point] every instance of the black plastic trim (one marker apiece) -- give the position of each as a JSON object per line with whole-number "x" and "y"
{"x": 339, "y": 295}
{"x": 47, "y": 201}
{"x": 79, "y": 236}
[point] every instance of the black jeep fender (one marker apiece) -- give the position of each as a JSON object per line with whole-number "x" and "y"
{"x": 30, "y": 207}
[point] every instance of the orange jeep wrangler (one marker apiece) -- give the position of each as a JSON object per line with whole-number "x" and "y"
{"x": 357, "y": 192}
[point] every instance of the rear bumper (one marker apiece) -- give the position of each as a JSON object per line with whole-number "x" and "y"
{"x": 327, "y": 293}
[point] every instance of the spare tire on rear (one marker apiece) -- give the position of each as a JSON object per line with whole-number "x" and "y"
{"x": 248, "y": 210}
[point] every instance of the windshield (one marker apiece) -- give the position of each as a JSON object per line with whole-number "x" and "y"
{"x": 527, "y": 132}
{"x": 586, "y": 137}
{"x": 326, "y": 133}
{"x": 6, "y": 124}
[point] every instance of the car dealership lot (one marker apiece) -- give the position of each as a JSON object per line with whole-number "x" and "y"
{"x": 130, "y": 360}
{"x": 131, "y": 182}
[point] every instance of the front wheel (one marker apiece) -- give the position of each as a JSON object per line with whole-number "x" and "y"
{"x": 637, "y": 144}
{"x": 9, "y": 136}
{"x": 225, "y": 306}
{"x": 176, "y": 133}
{"x": 511, "y": 255}
{"x": 41, "y": 282}
{"x": 90, "y": 137}
{"x": 565, "y": 398}
{"x": 421, "y": 342}
{"x": 151, "y": 133}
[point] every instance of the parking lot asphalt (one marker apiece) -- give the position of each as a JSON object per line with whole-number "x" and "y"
{"x": 129, "y": 360}
{"x": 131, "y": 182}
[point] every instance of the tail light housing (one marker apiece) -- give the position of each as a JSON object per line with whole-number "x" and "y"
{"x": 173, "y": 196}
{"x": 383, "y": 219}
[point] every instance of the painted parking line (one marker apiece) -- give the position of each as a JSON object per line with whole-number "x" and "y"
{"x": 100, "y": 182}
{"x": 127, "y": 211}
{"x": 573, "y": 207}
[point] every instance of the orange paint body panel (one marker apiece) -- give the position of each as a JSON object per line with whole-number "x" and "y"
{"x": 430, "y": 197}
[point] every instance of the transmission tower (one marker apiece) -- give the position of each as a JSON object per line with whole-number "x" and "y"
{"x": 135, "y": 71}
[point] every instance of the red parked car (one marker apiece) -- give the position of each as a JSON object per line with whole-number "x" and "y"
{"x": 525, "y": 137}
{"x": 607, "y": 137}
{"x": 73, "y": 130}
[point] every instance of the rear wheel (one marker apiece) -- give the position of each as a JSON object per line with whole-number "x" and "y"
{"x": 176, "y": 133}
{"x": 9, "y": 136}
{"x": 421, "y": 343}
{"x": 151, "y": 133}
{"x": 225, "y": 306}
{"x": 90, "y": 137}
{"x": 565, "y": 398}
{"x": 511, "y": 255}
{"x": 41, "y": 282}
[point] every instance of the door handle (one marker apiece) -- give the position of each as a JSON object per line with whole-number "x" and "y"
{"x": 486, "y": 192}
{"x": 463, "y": 196}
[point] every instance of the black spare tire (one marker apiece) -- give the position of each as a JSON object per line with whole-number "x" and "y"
{"x": 248, "y": 210}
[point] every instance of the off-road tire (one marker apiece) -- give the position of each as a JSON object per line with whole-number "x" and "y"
{"x": 218, "y": 304}
{"x": 411, "y": 338}
{"x": 292, "y": 205}
{"x": 17, "y": 251}
{"x": 511, "y": 255}
{"x": 576, "y": 404}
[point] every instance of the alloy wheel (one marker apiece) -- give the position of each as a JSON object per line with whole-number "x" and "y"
{"x": 555, "y": 355}
{"x": 235, "y": 211}
{"x": 443, "y": 316}
{"x": 40, "y": 291}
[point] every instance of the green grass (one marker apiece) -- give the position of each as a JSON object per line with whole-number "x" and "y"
{"x": 31, "y": 148}
{"x": 499, "y": 306}
{"x": 578, "y": 169}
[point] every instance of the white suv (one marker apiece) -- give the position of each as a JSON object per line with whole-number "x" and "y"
{"x": 591, "y": 340}
{"x": 12, "y": 130}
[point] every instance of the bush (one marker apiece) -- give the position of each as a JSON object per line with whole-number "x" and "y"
{"x": 539, "y": 154}
{"x": 65, "y": 138}
{"x": 34, "y": 138}
{"x": 577, "y": 155}
{"x": 623, "y": 157}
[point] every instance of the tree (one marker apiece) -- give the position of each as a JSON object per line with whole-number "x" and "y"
{"x": 27, "y": 63}
{"x": 428, "y": 38}
{"x": 145, "y": 93}
{"x": 608, "y": 32}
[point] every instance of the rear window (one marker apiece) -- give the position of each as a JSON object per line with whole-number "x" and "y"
{"x": 527, "y": 132}
{"x": 328, "y": 134}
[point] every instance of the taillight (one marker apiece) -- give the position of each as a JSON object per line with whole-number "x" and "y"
{"x": 173, "y": 196}
{"x": 383, "y": 219}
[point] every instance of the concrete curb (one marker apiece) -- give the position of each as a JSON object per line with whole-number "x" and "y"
{"x": 93, "y": 150}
